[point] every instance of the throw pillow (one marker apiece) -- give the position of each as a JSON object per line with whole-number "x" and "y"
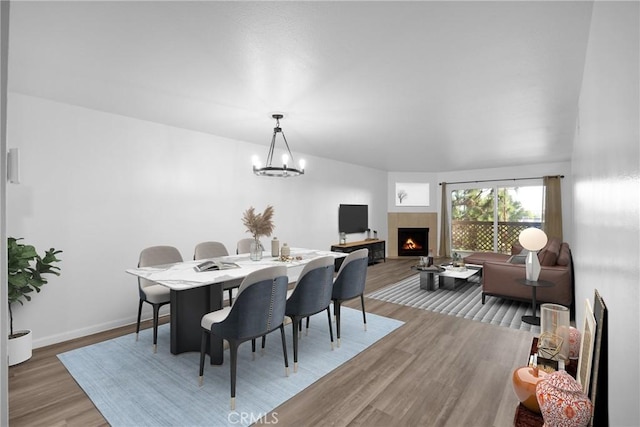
{"x": 549, "y": 254}
{"x": 565, "y": 255}
{"x": 517, "y": 248}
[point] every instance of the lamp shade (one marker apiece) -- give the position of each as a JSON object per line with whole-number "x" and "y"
{"x": 532, "y": 239}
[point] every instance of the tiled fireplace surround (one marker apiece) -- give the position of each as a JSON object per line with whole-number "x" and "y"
{"x": 397, "y": 220}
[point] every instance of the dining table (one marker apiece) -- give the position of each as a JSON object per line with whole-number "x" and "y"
{"x": 195, "y": 293}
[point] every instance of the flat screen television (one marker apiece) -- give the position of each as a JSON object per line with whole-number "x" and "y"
{"x": 353, "y": 218}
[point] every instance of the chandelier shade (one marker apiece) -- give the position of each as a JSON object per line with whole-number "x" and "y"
{"x": 284, "y": 171}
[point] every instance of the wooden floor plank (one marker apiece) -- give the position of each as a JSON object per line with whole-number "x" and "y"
{"x": 435, "y": 370}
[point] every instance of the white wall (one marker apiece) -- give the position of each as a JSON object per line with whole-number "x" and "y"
{"x": 101, "y": 187}
{"x": 606, "y": 173}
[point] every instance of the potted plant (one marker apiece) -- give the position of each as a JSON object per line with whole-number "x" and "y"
{"x": 26, "y": 273}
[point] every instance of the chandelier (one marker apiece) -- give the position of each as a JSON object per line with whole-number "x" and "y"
{"x": 285, "y": 170}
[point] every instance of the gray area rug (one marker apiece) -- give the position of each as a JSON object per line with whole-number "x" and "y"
{"x": 464, "y": 300}
{"x": 132, "y": 386}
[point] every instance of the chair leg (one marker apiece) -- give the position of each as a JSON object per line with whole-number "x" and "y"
{"x": 295, "y": 324}
{"x": 203, "y": 350}
{"x": 330, "y": 326}
{"x": 306, "y": 332}
{"x": 364, "y": 316}
{"x": 253, "y": 349}
{"x": 156, "y": 311}
{"x": 336, "y": 313}
{"x": 284, "y": 350}
{"x": 139, "y": 317}
{"x": 233, "y": 352}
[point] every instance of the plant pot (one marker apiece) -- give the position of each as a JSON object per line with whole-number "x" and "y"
{"x": 20, "y": 347}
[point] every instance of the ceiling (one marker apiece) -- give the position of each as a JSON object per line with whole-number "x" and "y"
{"x": 397, "y": 86}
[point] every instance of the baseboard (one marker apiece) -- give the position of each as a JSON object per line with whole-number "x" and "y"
{"x": 90, "y": 330}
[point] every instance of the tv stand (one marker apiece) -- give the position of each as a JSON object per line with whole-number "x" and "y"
{"x": 377, "y": 249}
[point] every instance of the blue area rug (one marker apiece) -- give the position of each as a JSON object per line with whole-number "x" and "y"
{"x": 132, "y": 386}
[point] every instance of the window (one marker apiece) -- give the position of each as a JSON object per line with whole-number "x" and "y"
{"x": 491, "y": 218}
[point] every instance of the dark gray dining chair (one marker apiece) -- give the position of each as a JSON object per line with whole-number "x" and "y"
{"x": 311, "y": 295}
{"x": 151, "y": 292}
{"x": 206, "y": 250}
{"x": 349, "y": 284}
{"x": 257, "y": 310}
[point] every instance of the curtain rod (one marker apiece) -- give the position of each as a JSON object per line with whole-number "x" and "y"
{"x": 496, "y": 180}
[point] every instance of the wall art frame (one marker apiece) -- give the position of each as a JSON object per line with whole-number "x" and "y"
{"x": 412, "y": 194}
{"x": 587, "y": 345}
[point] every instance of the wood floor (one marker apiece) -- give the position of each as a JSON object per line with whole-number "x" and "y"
{"x": 435, "y": 370}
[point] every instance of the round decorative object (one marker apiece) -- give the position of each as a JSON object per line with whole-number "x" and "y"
{"x": 525, "y": 380}
{"x": 562, "y": 402}
{"x": 574, "y": 343}
{"x": 285, "y": 251}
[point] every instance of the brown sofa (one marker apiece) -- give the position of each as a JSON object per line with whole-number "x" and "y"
{"x": 499, "y": 276}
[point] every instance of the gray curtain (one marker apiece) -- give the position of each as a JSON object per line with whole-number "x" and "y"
{"x": 445, "y": 245}
{"x": 552, "y": 214}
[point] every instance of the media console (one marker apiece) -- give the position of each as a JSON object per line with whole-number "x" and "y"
{"x": 377, "y": 249}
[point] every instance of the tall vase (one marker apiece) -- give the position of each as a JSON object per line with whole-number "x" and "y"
{"x": 256, "y": 250}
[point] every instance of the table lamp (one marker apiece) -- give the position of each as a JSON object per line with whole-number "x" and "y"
{"x": 532, "y": 239}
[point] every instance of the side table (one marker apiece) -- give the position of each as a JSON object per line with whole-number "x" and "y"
{"x": 427, "y": 276}
{"x": 535, "y": 284}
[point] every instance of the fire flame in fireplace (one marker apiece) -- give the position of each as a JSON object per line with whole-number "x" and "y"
{"x": 410, "y": 245}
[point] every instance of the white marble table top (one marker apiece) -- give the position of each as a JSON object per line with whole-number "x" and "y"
{"x": 180, "y": 276}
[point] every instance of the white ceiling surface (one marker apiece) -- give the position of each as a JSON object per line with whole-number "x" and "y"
{"x": 396, "y": 86}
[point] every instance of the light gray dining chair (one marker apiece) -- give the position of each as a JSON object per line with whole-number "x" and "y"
{"x": 205, "y": 250}
{"x": 244, "y": 246}
{"x": 257, "y": 310}
{"x": 349, "y": 284}
{"x": 151, "y": 292}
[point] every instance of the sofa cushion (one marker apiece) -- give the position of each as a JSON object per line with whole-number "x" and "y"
{"x": 517, "y": 249}
{"x": 480, "y": 258}
{"x": 549, "y": 254}
{"x": 564, "y": 258}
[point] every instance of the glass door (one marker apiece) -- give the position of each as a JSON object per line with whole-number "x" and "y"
{"x": 490, "y": 219}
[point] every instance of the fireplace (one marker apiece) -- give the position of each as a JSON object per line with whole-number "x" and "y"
{"x": 413, "y": 241}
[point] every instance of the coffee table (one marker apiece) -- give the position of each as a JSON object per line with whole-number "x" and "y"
{"x": 458, "y": 274}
